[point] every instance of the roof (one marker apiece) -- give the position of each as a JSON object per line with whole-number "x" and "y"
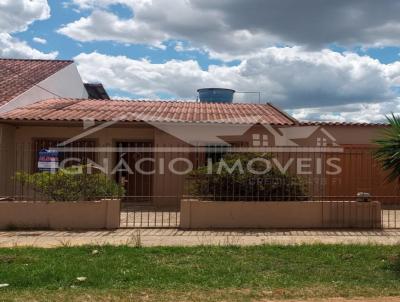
{"x": 96, "y": 91}
{"x": 18, "y": 75}
{"x": 149, "y": 111}
{"x": 330, "y": 123}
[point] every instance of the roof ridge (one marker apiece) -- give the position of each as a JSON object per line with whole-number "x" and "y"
{"x": 177, "y": 101}
{"x": 44, "y": 60}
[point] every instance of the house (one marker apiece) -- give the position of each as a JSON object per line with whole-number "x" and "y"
{"x": 146, "y": 145}
{"x": 23, "y": 82}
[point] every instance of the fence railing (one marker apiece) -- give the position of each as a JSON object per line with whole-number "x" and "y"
{"x": 156, "y": 177}
{"x": 168, "y": 172}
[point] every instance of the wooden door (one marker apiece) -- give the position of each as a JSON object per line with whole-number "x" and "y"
{"x": 135, "y": 168}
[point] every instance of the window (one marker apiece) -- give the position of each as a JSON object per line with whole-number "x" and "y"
{"x": 260, "y": 140}
{"x": 322, "y": 142}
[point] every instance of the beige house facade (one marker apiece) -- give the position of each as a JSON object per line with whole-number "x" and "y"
{"x": 165, "y": 185}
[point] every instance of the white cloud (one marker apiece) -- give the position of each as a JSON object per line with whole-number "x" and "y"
{"x": 143, "y": 78}
{"x": 374, "y": 112}
{"x": 183, "y": 47}
{"x": 234, "y": 29}
{"x": 17, "y": 15}
{"x": 90, "y": 4}
{"x": 14, "y": 48}
{"x": 39, "y": 40}
{"x": 112, "y": 29}
{"x": 301, "y": 78}
{"x": 289, "y": 77}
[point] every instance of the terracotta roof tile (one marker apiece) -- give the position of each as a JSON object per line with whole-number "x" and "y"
{"x": 149, "y": 111}
{"x": 17, "y": 76}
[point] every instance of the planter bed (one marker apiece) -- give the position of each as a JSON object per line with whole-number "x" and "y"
{"x": 81, "y": 215}
{"x": 196, "y": 214}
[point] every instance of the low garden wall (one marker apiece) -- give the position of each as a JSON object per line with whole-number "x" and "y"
{"x": 82, "y": 215}
{"x": 196, "y": 214}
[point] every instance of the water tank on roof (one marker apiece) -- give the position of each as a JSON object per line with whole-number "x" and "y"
{"x": 215, "y": 95}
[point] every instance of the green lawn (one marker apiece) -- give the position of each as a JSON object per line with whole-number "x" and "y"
{"x": 199, "y": 273}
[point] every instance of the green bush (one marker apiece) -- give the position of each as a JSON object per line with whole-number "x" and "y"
{"x": 244, "y": 185}
{"x": 67, "y": 185}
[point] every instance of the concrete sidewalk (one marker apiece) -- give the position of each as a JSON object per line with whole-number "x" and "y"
{"x": 176, "y": 237}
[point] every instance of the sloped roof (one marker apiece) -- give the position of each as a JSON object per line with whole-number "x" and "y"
{"x": 149, "y": 111}
{"x": 17, "y": 76}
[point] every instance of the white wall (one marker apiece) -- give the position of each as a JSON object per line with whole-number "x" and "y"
{"x": 65, "y": 83}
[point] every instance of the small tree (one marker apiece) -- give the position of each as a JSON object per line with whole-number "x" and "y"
{"x": 71, "y": 184}
{"x": 388, "y": 152}
{"x": 242, "y": 184}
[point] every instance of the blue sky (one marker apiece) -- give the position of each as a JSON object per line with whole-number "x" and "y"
{"x": 68, "y": 48}
{"x": 342, "y": 63}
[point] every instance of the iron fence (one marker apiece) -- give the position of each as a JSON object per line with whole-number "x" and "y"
{"x": 156, "y": 178}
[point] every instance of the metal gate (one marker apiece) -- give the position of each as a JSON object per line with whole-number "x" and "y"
{"x": 147, "y": 216}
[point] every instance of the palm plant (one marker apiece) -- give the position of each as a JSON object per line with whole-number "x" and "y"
{"x": 388, "y": 152}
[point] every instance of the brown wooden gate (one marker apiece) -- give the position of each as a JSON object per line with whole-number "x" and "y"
{"x": 361, "y": 173}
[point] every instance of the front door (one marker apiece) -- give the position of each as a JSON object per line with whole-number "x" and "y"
{"x": 134, "y": 170}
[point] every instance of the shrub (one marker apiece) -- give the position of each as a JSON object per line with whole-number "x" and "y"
{"x": 244, "y": 185}
{"x": 67, "y": 185}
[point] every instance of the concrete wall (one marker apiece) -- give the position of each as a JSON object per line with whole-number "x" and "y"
{"x": 66, "y": 83}
{"x": 355, "y": 135}
{"x": 196, "y": 133}
{"x": 197, "y": 214}
{"x": 85, "y": 215}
